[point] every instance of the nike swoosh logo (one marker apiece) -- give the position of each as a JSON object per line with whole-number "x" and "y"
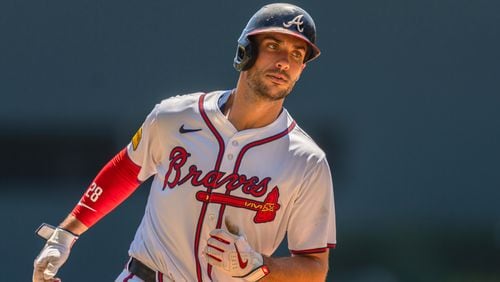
{"x": 242, "y": 263}
{"x": 183, "y": 130}
{"x": 84, "y": 205}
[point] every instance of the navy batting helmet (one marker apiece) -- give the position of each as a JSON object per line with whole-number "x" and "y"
{"x": 281, "y": 18}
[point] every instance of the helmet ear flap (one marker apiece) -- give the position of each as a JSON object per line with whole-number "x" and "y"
{"x": 245, "y": 55}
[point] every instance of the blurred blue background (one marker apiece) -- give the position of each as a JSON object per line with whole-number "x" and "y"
{"x": 404, "y": 100}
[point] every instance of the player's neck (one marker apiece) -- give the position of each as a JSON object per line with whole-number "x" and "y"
{"x": 245, "y": 111}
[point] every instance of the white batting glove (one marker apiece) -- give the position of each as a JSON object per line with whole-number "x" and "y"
{"x": 53, "y": 255}
{"x": 232, "y": 254}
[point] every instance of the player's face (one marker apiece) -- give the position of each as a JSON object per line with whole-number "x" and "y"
{"x": 278, "y": 66}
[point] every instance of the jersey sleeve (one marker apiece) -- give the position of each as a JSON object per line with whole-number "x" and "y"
{"x": 122, "y": 175}
{"x": 145, "y": 148}
{"x": 312, "y": 223}
{"x": 116, "y": 181}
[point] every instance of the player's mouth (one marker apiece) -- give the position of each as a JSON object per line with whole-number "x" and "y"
{"x": 277, "y": 77}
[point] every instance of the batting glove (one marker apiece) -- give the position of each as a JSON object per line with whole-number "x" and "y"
{"x": 53, "y": 255}
{"x": 233, "y": 255}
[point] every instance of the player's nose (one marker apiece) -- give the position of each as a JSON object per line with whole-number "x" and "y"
{"x": 283, "y": 62}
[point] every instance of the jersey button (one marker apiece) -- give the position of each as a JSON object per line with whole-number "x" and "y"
{"x": 235, "y": 143}
{"x": 211, "y": 216}
{"x": 230, "y": 156}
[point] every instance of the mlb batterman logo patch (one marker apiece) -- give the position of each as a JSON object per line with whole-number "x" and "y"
{"x": 137, "y": 139}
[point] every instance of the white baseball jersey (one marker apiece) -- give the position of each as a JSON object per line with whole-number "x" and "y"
{"x": 268, "y": 181}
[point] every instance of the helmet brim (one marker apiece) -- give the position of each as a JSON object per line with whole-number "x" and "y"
{"x": 315, "y": 52}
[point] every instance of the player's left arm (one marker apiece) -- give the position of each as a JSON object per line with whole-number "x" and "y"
{"x": 311, "y": 225}
{"x": 311, "y": 231}
{"x": 310, "y": 267}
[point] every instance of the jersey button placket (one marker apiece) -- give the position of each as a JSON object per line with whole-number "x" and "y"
{"x": 232, "y": 148}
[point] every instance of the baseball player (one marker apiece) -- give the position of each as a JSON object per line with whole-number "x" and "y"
{"x": 233, "y": 174}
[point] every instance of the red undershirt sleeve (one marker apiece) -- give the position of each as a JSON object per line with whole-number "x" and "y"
{"x": 112, "y": 185}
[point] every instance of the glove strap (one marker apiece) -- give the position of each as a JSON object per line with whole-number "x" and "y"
{"x": 257, "y": 274}
{"x": 56, "y": 235}
{"x": 64, "y": 237}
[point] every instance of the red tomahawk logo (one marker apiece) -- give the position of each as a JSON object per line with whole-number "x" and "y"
{"x": 265, "y": 211}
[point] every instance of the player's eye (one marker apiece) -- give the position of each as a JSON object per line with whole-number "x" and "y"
{"x": 272, "y": 45}
{"x": 298, "y": 55}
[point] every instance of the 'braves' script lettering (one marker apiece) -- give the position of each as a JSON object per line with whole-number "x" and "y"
{"x": 178, "y": 175}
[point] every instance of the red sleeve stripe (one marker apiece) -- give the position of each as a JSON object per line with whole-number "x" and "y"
{"x": 113, "y": 184}
{"x": 313, "y": 251}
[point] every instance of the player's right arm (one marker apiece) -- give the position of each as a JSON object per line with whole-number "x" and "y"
{"x": 116, "y": 181}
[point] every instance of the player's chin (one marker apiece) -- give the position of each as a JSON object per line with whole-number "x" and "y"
{"x": 278, "y": 93}
{"x": 283, "y": 90}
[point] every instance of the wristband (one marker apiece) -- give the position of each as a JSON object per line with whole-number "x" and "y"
{"x": 257, "y": 274}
